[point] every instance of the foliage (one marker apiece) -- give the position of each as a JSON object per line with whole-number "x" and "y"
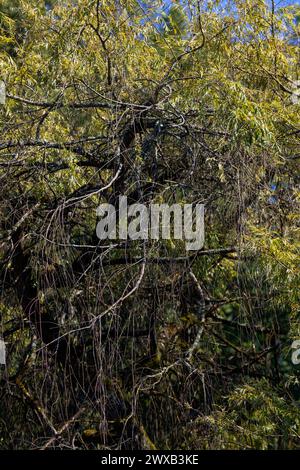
{"x": 145, "y": 345}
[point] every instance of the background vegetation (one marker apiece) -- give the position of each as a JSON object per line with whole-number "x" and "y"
{"x": 133, "y": 345}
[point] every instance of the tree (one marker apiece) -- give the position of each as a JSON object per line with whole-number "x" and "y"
{"x": 183, "y": 104}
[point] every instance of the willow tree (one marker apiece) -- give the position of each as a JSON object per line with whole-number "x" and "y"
{"x": 133, "y": 344}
